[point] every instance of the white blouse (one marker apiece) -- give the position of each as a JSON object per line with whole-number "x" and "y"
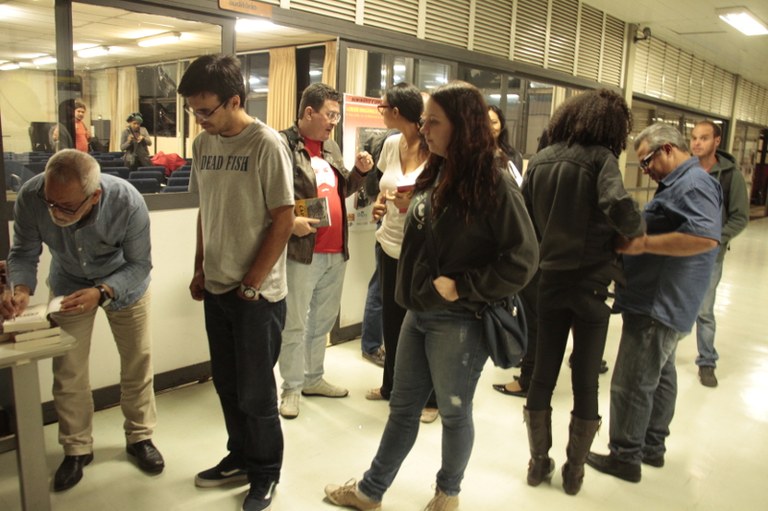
{"x": 390, "y": 234}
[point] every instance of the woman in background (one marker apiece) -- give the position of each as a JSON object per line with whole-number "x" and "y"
{"x": 135, "y": 142}
{"x": 468, "y": 240}
{"x": 401, "y": 161}
{"x": 501, "y": 134}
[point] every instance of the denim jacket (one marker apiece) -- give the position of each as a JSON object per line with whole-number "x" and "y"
{"x": 111, "y": 246}
{"x": 301, "y": 248}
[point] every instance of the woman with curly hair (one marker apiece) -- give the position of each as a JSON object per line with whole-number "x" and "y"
{"x": 575, "y": 194}
{"x": 468, "y": 240}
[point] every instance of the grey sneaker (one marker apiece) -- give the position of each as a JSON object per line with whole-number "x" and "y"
{"x": 347, "y": 495}
{"x": 707, "y": 376}
{"x": 226, "y": 472}
{"x": 442, "y": 502}
{"x": 289, "y": 404}
{"x": 325, "y": 389}
{"x": 377, "y": 357}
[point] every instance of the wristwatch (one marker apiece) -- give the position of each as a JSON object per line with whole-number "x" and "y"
{"x": 104, "y": 299}
{"x": 251, "y": 293}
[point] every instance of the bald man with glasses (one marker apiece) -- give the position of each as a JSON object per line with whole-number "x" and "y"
{"x": 97, "y": 230}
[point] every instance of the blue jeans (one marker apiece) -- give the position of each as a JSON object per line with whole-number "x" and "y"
{"x": 705, "y": 323}
{"x": 244, "y": 340}
{"x": 313, "y": 301}
{"x": 441, "y": 349}
{"x": 643, "y": 389}
{"x": 372, "y": 333}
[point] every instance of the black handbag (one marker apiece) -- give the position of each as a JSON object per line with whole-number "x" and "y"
{"x": 504, "y": 328}
{"x": 505, "y": 331}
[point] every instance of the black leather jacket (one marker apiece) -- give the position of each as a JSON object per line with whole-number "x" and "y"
{"x": 301, "y": 248}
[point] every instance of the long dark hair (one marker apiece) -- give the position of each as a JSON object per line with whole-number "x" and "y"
{"x": 598, "y": 117}
{"x": 470, "y": 171}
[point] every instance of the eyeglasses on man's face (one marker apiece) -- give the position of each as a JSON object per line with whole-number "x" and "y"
{"x": 203, "y": 115}
{"x": 64, "y": 209}
{"x": 647, "y": 159}
{"x": 332, "y": 116}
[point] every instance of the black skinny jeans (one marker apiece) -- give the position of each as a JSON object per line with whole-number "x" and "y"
{"x": 568, "y": 302}
{"x": 392, "y": 315}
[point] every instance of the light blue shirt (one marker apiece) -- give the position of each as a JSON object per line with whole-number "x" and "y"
{"x": 111, "y": 246}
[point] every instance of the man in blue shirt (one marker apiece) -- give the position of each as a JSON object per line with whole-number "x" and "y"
{"x": 667, "y": 273}
{"x": 97, "y": 230}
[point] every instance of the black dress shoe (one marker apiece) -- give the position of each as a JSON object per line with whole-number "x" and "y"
{"x": 502, "y": 387}
{"x": 611, "y": 465}
{"x": 147, "y": 456}
{"x": 654, "y": 461}
{"x": 70, "y": 471}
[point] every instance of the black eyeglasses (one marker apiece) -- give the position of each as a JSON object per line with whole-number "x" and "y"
{"x": 646, "y": 161}
{"x": 383, "y": 107}
{"x": 63, "y": 209}
{"x": 203, "y": 115}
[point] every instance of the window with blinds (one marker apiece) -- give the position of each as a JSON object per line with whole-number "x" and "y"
{"x": 448, "y": 22}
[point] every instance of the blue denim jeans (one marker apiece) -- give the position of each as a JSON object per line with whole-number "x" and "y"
{"x": 643, "y": 388}
{"x": 705, "y": 323}
{"x": 372, "y": 333}
{"x": 441, "y": 349}
{"x": 244, "y": 339}
{"x": 313, "y": 301}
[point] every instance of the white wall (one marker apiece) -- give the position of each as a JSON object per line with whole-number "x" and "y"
{"x": 25, "y": 96}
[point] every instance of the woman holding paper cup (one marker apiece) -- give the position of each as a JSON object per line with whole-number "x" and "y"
{"x": 402, "y": 159}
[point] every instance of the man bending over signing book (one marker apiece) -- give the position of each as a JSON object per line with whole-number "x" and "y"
{"x": 97, "y": 230}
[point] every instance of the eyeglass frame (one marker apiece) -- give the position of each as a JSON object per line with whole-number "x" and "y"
{"x": 53, "y": 205}
{"x": 381, "y": 107}
{"x": 331, "y": 116}
{"x": 201, "y": 116}
{"x": 646, "y": 160}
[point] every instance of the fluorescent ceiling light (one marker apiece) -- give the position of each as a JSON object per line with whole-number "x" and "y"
{"x": 742, "y": 20}
{"x": 9, "y": 66}
{"x": 253, "y": 25}
{"x": 44, "y": 61}
{"x": 159, "y": 39}
{"x": 94, "y": 51}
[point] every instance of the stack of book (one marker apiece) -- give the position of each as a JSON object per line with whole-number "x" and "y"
{"x": 33, "y": 327}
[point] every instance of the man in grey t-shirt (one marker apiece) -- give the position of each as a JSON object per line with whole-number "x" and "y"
{"x": 241, "y": 172}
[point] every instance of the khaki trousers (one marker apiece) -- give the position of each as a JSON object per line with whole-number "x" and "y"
{"x": 72, "y": 394}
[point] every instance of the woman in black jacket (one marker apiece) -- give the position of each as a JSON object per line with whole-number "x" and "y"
{"x": 575, "y": 194}
{"x": 468, "y": 240}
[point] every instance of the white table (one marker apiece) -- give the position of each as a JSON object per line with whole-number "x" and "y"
{"x": 30, "y": 443}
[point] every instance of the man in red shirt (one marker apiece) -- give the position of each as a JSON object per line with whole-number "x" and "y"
{"x": 317, "y": 256}
{"x": 82, "y": 132}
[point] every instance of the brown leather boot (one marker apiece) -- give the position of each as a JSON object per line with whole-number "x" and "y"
{"x": 539, "y": 425}
{"x": 580, "y": 435}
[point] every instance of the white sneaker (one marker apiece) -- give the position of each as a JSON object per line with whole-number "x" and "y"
{"x": 289, "y": 404}
{"x": 325, "y": 389}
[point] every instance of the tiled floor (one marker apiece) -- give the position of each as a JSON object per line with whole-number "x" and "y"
{"x": 716, "y": 459}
